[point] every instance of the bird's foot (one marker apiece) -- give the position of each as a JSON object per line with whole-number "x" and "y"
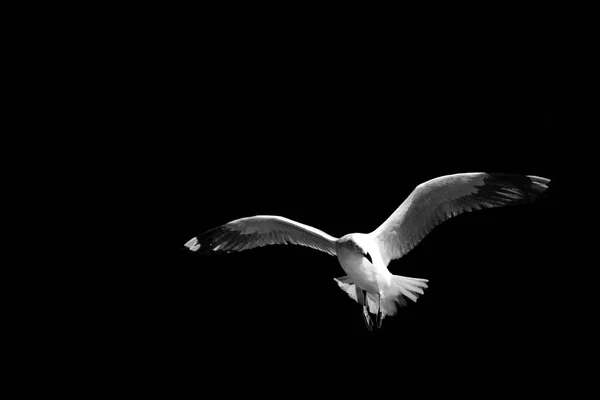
{"x": 379, "y": 319}
{"x": 368, "y": 320}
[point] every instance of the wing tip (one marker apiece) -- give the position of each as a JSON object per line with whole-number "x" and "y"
{"x": 192, "y": 244}
{"x": 539, "y": 182}
{"x": 531, "y": 186}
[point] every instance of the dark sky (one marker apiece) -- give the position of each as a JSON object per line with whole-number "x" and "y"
{"x": 338, "y": 141}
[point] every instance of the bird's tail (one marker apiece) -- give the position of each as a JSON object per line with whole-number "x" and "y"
{"x": 392, "y": 296}
{"x": 401, "y": 286}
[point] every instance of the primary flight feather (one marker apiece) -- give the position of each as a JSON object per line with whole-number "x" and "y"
{"x": 365, "y": 257}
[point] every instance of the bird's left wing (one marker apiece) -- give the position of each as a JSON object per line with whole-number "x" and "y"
{"x": 436, "y": 200}
{"x": 250, "y": 232}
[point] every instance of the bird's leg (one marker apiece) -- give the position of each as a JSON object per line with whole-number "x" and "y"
{"x": 366, "y": 316}
{"x": 379, "y": 314}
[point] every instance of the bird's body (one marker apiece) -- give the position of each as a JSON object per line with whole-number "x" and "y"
{"x": 371, "y": 276}
{"x": 365, "y": 257}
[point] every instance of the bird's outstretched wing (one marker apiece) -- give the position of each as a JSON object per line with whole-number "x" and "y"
{"x": 250, "y": 232}
{"x": 441, "y": 198}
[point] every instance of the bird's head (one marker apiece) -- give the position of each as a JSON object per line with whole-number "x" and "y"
{"x": 354, "y": 242}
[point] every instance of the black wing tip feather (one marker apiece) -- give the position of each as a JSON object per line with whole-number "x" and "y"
{"x": 529, "y": 187}
{"x": 206, "y": 242}
{"x": 539, "y": 183}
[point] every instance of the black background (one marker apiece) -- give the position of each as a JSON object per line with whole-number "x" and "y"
{"x": 335, "y": 130}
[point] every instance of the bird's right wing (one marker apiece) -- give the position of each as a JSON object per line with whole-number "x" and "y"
{"x": 436, "y": 200}
{"x": 250, "y": 232}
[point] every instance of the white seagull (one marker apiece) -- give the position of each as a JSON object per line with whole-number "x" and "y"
{"x": 365, "y": 257}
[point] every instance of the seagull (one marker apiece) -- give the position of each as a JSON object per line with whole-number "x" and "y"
{"x": 365, "y": 256}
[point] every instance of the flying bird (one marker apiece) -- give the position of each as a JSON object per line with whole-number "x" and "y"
{"x": 365, "y": 256}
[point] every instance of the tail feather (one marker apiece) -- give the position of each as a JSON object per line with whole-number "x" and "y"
{"x": 401, "y": 286}
{"x": 411, "y": 288}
